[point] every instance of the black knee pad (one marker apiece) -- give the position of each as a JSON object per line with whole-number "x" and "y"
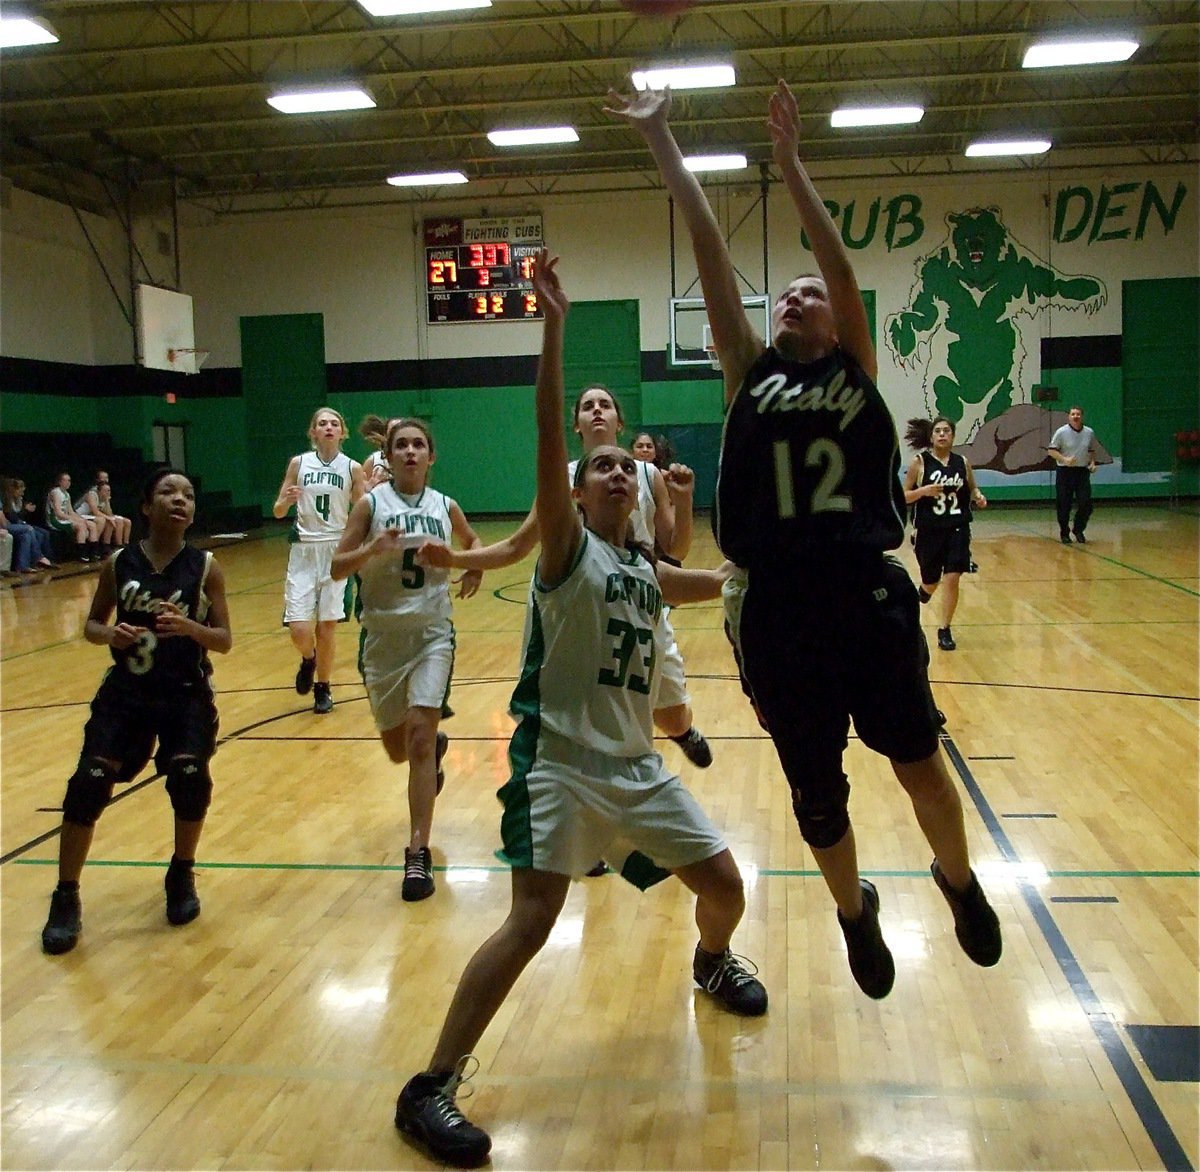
{"x": 823, "y": 823}
{"x": 190, "y": 788}
{"x": 88, "y": 791}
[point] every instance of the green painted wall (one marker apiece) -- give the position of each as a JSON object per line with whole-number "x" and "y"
{"x": 1161, "y": 373}
{"x": 283, "y": 383}
{"x": 484, "y": 444}
{"x": 216, "y": 454}
{"x": 484, "y": 435}
{"x": 48, "y": 413}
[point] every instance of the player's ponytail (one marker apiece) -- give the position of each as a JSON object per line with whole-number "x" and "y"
{"x": 373, "y": 429}
{"x": 919, "y": 434}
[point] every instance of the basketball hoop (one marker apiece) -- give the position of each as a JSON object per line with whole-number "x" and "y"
{"x": 187, "y": 359}
{"x": 713, "y": 360}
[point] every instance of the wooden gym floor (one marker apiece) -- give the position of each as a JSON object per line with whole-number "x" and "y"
{"x": 276, "y": 1030}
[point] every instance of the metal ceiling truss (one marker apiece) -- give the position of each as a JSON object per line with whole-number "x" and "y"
{"x": 174, "y": 94}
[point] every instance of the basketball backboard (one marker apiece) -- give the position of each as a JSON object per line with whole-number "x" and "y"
{"x": 689, "y": 339}
{"x": 166, "y": 338}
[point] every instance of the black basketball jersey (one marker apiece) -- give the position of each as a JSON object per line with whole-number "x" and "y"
{"x": 151, "y": 662}
{"x": 953, "y": 508}
{"x": 809, "y": 464}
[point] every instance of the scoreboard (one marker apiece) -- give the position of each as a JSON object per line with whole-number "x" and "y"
{"x": 481, "y": 270}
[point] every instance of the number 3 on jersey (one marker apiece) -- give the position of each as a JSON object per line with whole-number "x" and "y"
{"x": 824, "y": 454}
{"x": 141, "y": 653}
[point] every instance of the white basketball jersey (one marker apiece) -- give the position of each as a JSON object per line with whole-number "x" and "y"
{"x": 324, "y": 504}
{"x": 641, "y": 520}
{"x": 393, "y": 590}
{"x": 592, "y": 650}
{"x": 376, "y": 460}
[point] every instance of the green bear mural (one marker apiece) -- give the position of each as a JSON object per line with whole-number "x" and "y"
{"x": 961, "y": 324}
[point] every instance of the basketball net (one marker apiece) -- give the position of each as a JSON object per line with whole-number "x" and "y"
{"x": 189, "y": 359}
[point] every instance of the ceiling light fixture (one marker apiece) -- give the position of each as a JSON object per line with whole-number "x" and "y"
{"x": 17, "y": 31}
{"x": 1028, "y": 146}
{"x": 1076, "y": 52}
{"x": 698, "y": 163}
{"x": 715, "y": 75}
{"x": 414, "y": 7}
{"x": 429, "y": 179}
{"x": 876, "y": 115}
{"x": 316, "y": 101}
{"x": 533, "y": 136}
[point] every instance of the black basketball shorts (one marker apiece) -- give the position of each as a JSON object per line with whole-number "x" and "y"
{"x": 821, "y": 649}
{"x": 942, "y": 551}
{"x": 125, "y": 723}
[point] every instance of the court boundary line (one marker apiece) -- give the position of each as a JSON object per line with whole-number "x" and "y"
{"x": 1103, "y": 557}
{"x": 504, "y": 868}
{"x": 710, "y": 676}
{"x": 1137, "y": 1090}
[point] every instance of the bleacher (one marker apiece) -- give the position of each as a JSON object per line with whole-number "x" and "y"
{"x": 36, "y": 457}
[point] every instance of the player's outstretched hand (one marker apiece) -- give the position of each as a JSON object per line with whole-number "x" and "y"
{"x": 468, "y": 584}
{"x": 550, "y": 293}
{"x": 433, "y": 555}
{"x": 783, "y": 121}
{"x": 640, "y": 108}
{"x": 681, "y": 480}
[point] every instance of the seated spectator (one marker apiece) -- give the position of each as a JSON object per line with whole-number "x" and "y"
{"x": 121, "y": 525}
{"x": 31, "y": 544}
{"x": 6, "y": 548}
{"x": 61, "y": 517}
{"x": 88, "y": 507}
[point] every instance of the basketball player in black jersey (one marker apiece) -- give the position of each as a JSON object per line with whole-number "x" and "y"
{"x": 940, "y": 485}
{"x": 808, "y": 501}
{"x": 171, "y": 612}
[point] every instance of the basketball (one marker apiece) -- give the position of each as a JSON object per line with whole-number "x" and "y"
{"x": 661, "y": 8}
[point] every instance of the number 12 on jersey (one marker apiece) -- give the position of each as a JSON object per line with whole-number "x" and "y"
{"x": 823, "y": 454}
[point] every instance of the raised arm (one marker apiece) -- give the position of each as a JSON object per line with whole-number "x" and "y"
{"x": 496, "y": 556}
{"x": 673, "y": 519}
{"x": 845, "y": 300}
{"x": 467, "y": 537}
{"x": 680, "y": 586}
{"x": 289, "y": 490}
{"x": 358, "y": 482}
{"x": 558, "y": 519}
{"x": 736, "y": 342}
